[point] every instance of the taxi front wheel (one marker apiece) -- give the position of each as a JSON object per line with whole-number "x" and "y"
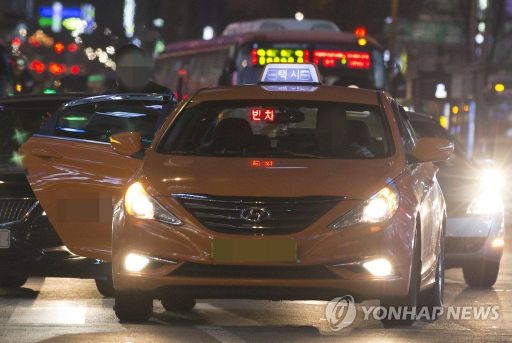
{"x": 178, "y": 304}
{"x": 133, "y": 306}
{"x": 105, "y": 287}
{"x": 13, "y": 280}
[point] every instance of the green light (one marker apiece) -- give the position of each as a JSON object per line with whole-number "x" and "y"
{"x": 45, "y": 21}
{"x": 76, "y": 118}
{"x": 17, "y": 158}
{"x": 20, "y": 136}
{"x": 49, "y": 91}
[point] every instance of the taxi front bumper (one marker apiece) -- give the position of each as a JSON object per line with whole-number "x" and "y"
{"x": 329, "y": 262}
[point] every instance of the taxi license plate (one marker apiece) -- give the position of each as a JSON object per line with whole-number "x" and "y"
{"x": 246, "y": 250}
{"x": 5, "y": 239}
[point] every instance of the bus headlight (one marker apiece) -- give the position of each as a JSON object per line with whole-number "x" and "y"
{"x": 380, "y": 207}
{"x": 139, "y": 204}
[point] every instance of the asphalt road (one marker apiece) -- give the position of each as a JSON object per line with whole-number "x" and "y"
{"x": 68, "y": 310}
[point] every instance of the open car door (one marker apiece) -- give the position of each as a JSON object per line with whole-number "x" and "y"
{"x": 74, "y": 172}
{"x": 77, "y": 183}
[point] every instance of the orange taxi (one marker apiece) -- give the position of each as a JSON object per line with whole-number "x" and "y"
{"x": 288, "y": 189}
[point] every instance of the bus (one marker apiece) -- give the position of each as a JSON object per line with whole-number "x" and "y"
{"x": 240, "y": 53}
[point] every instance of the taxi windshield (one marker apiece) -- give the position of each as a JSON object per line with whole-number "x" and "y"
{"x": 287, "y": 129}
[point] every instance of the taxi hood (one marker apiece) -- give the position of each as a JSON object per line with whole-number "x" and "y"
{"x": 230, "y": 176}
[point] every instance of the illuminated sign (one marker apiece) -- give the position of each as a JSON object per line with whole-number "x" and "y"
{"x": 336, "y": 58}
{"x": 262, "y": 114}
{"x": 66, "y": 12}
{"x": 290, "y": 73}
{"x": 264, "y": 56}
{"x": 79, "y": 19}
{"x": 262, "y": 163}
{"x": 323, "y": 58}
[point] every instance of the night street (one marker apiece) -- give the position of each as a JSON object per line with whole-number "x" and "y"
{"x": 255, "y": 171}
{"x": 63, "y": 310}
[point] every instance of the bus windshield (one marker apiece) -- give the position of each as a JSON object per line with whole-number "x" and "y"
{"x": 339, "y": 65}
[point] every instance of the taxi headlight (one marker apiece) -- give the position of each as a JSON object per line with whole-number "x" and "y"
{"x": 380, "y": 207}
{"x": 488, "y": 202}
{"x": 139, "y": 204}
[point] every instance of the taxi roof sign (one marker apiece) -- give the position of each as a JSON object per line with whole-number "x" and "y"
{"x": 290, "y": 73}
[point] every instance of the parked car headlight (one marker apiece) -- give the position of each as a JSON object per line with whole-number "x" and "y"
{"x": 380, "y": 207}
{"x": 492, "y": 180}
{"x": 139, "y": 204}
{"x": 488, "y": 202}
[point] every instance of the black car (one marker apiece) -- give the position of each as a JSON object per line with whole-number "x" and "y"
{"x": 29, "y": 246}
{"x": 475, "y": 224}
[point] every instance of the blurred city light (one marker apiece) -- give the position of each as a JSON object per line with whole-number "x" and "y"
{"x": 479, "y": 38}
{"x": 299, "y": 16}
{"x": 499, "y": 87}
{"x": 129, "y": 17}
{"x": 74, "y": 69}
{"x": 208, "y": 32}
{"x": 72, "y": 47}
{"x": 441, "y": 92}
{"x": 37, "y": 66}
{"x": 158, "y": 22}
{"x": 59, "y": 47}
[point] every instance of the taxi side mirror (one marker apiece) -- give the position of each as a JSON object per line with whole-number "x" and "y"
{"x": 126, "y": 143}
{"x": 430, "y": 149}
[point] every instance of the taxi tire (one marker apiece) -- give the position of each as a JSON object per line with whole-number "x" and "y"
{"x": 412, "y": 298}
{"x": 15, "y": 280}
{"x": 433, "y": 297}
{"x": 178, "y": 304}
{"x": 133, "y": 306}
{"x": 105, "y": 287}
{"x": 482, "y": 274}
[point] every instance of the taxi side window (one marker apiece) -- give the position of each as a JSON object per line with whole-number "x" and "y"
{"x": 407, "y": 134}
{"x": 97, "y": 122}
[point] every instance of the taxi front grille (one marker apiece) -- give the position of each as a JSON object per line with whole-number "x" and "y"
{"x": 281, "y": 215}
{"x": 12, "y": 210}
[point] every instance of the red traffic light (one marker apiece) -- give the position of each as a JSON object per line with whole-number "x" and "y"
{"x": 360, "y": 31}
{"x": 59, "y": 47}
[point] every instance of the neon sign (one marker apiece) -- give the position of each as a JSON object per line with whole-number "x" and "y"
{"x": 322, "y": 58}
{"x": 337, "y": 58}
{"x": 264, "y": 56}
{"x": 262, "y": 114}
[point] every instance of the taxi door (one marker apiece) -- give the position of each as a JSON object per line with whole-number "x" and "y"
{"x": 77, "y": 183}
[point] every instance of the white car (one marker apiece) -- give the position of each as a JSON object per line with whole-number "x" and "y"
{"x": 475, "y": 225}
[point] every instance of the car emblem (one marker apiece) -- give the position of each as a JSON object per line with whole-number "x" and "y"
{"x": 254, "y": 214}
